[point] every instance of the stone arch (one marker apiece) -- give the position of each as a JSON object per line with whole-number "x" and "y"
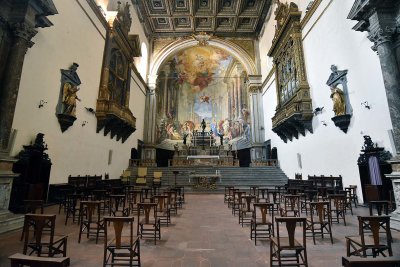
{"x": 239, "y": 53}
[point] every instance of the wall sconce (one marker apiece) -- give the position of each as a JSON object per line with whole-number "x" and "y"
{"x": 262, "y": 128}
{"x": 324, "y": 123}
{"x": 84, "y": 123}
{"x": 91, "y": 110}
{"x": 41, "y": 103}
{"x": 366, "y": 105}
{"x": 318, "y": 110}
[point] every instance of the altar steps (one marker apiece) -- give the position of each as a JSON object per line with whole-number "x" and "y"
{"x": 241, "y": 177}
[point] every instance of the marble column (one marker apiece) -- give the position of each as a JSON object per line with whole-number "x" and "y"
{"x": 22, "y": 35}
{"x": 391, "y": 77}
{"x": 258, "y": 151}
{"x": 150, "y": 121}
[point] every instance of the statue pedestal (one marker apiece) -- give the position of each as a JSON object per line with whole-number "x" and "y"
{"x": 8, "y": 221}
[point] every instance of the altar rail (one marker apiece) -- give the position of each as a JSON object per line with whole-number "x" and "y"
{"x": 189, "y": 162}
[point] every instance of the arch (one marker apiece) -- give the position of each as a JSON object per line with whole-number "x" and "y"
{"x": 239, "y": 53}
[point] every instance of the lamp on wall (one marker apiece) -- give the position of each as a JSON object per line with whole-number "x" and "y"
{"x": 324, "y": 123}
{"x": 318, "y": 110}
{"x": 91, "y": 110}
{"x": 41, "y": 103}
{"x": 84, "y": 123}
{"x": 366, "y": 105}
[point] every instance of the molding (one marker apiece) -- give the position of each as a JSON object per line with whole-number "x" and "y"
{"x": 310, "y": 13}
{"x": 269, "y": 76}
{"x": 316, "y": 21}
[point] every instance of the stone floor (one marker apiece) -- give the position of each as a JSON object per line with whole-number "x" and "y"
{"x": 204, "y": 233}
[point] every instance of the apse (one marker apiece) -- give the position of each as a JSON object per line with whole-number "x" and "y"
{"x": 201, "y": 82}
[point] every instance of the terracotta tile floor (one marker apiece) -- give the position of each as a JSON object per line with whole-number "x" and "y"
{"x": 204, "y": 233}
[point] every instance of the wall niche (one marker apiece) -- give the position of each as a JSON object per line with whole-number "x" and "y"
{"x": 112, "y": 108}
{"x": 294, "y": 110}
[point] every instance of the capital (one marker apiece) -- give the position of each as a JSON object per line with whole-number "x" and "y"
{"x": 381, "y": 36}
{"x": 24, "y": 31}
{"x": 152, "y": 81}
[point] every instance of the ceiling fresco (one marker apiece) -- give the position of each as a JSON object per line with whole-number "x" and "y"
{"x": 233, "y": 18}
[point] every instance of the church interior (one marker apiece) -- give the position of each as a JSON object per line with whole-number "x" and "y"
{"x": 199, "y": 133}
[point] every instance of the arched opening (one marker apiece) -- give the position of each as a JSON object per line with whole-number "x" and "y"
{"x": 141, "y": 63}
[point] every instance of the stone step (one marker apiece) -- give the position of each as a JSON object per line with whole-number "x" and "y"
{"x": 10, "y": 221}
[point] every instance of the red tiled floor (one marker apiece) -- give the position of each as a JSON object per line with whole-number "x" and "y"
{"x": 204, "y": 234}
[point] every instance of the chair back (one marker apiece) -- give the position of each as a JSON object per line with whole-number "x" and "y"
{"x": 149, "y": 210}
{"x": 90, "y": 209}
{"x": 290, "y": 225}
{"x": 376, "y": 224}
{"x": 321, "y": 210}
{"x": 35, "y": 224}
{"x": 261, "y": 210}
{"x": 118, "y": 225}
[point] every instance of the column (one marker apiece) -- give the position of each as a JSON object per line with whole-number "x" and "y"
{"x": 384, "y": 46}
{"x": 22, "y": 35}
{"x": 258, "y": 151}
{"x": 150, "y": 120}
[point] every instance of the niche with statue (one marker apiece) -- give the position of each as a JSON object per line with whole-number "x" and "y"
{"x": 337, "y": 83}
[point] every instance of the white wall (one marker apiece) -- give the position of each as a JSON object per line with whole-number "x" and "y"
{"x": 328, "y": 150}
{"x": 79, "y": 150}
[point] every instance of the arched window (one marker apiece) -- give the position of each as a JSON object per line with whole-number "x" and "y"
{"x": 143, "y": 61}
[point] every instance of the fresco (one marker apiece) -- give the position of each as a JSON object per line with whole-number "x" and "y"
{"x": 201, "y": 82}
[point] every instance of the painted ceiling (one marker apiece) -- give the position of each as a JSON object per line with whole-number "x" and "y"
{"x": 228, "y": 18}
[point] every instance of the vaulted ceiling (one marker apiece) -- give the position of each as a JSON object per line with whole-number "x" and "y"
{"x": 228, "y": 18}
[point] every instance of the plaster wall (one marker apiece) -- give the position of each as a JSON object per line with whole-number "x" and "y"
{"x": 329, "y": 39}
{"x": 75, "y": 37}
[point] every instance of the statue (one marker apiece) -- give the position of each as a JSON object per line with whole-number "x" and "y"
{"x": 185, "y": 135}
{"x": 69, "y": 98}
{"x": 339, "y": 105}
{"x": 176, "y": 148}
{"x": 203, "y": 125}
{"x": 221, "y": 138}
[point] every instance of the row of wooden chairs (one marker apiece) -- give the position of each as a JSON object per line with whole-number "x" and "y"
{"x": 261, "y": 217}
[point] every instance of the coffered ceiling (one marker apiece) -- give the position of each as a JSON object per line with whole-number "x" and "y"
{"x": 229, "y": 18}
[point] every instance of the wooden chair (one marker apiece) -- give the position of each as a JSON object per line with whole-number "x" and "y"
{"x": 237, "y": 201}
{"x": 306, "y": 198}
{"x": 134, "y": 198}
{"x": 291, "y": 206}
{"x": 90, "y": 219}
{"x": 118, "y": 205}
{"x": 141, "y": 176}
{"x": 262, "y": 226}
{"x": 319, "y": 222}
{"x": 180, "y": 190}
{"x": 378, "y": 243}
{"x": 163, "y": 210}
{"x": 121, "y": 250}
{"x": 247, "y": 209}
{"x": 228, "y": 193}
{"x": 35, "y": 241}
{"x": 338, "y": 207}
{"x": 286, "y": 250}
{"x": 31, "y": 206}
{"x": 381, "y": 206}
{"x": 19, "y": 259}
{"x": 148, "y": 223}
{"x": 172, "y": 201}
{"x": 72, "y": 207}
{"x": 368, "y": 262}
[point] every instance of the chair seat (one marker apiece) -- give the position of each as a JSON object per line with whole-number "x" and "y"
{"x": 284, "y": 242}
{"x": 260, "y": 222}
{"x": 46, "y": 239}
{"x": 368, "y": 240}
{"x": 125, "y": 242}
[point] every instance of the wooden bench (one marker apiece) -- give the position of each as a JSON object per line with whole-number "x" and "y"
{"x": 371, "y": 262}
{"x": 19, "y": 259}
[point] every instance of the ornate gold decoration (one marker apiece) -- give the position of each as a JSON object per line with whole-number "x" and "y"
{"x": 246, "y": 44}
{"x": 202, "y": 38}
{"x": 112, "y": 109}
{"x": 294, "y": 111}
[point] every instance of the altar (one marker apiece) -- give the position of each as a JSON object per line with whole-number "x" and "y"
{"x": 205, "y": 181}
{"x": 210, "y": 160}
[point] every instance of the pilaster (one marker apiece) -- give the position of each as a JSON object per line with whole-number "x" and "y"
{"x": 258, "y": 151}
{"x": 150, "y": 120}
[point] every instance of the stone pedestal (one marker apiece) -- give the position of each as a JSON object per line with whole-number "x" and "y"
{"x": 395, "y": 215}
{"x": 8, "y": 221}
